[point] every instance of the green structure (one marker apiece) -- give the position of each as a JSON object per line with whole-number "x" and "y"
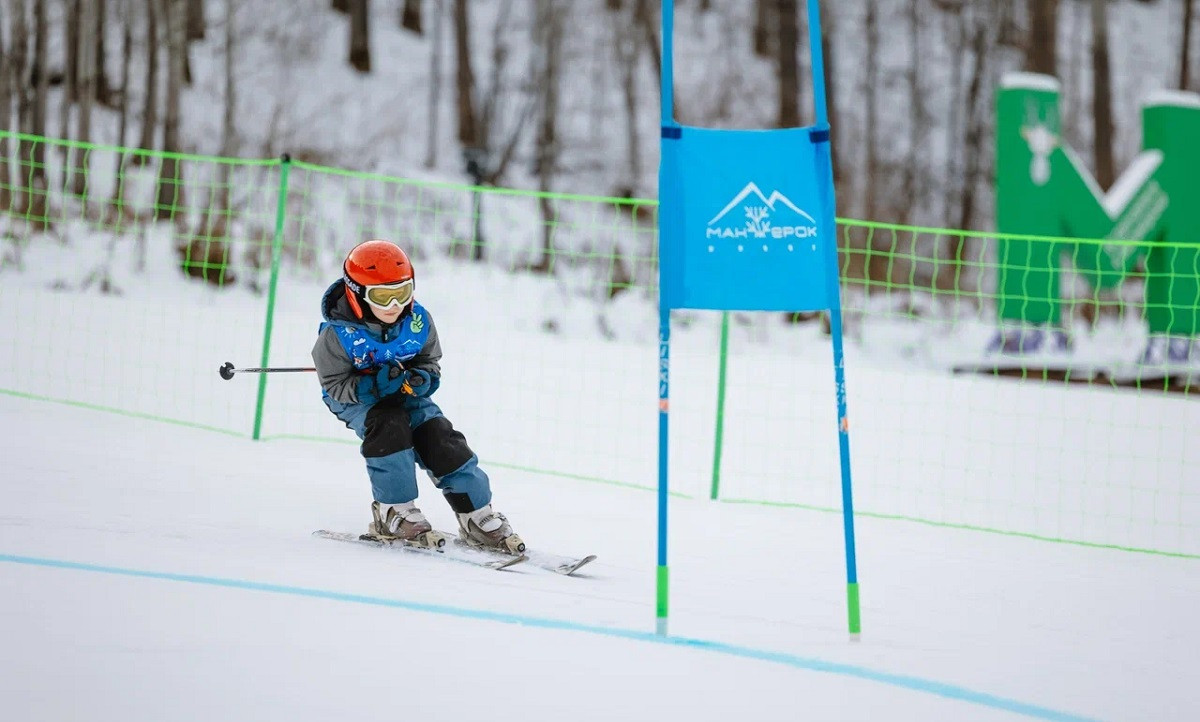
{"x": 1152, "y": 212}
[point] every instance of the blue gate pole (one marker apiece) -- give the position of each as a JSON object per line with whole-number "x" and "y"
{"x": 662, "y": 579}
{"x": 824, "y": 163}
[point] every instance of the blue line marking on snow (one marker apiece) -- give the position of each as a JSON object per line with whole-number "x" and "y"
{"x": 916, "y": 684}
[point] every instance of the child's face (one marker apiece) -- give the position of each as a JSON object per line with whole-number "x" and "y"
{"x": 388, "y": 315}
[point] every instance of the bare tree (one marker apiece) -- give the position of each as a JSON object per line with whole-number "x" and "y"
{"x": 71, "y": 54}
{"x": 1102, "y": 135}
{"x": 918, "y": 118}
{"x": 410, "y": 16}
{"x": 229, "y": 117}
{"x": 977, "y": 112}
{"x": 123, "y": 109}
{"x": 765, "y": 12}
{"x": 1041, "y": 54}
{"x": 70, "y": 94}
{"x": 435, "y": 84}
{"x": 360, "y": 36}
{"x": 646, "y": 21}
{"x": 789, "y": 69}
{"x": 1185, "y": 45}
{"x": 150, "y": 106}
{"x": 18, "y": 65}
{"x": 5, "y": 120}
{"x": 38, "y": 204}
{"x": 488, "y": 138}
{"x": 549, "y": 30}
{"x": 954, "y": 28}
{"x": 169, "y": 200}
{"x": 468, "y": 126}
{"x": 195, "y": 20}
{"x": 626, "y": 48}
{"x": 207, "y": 254}
{"x": 961, "y": 155}
{"x": 103, "y": 89}
{"x": 500, "y": 138}
{"x": 871, "y": 102}
{"x": 89, "y": 27}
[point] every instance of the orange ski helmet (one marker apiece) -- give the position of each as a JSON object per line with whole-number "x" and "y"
{"x": 377, "y": 273}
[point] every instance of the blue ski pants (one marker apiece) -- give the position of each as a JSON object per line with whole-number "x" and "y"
{"x": 401, "y": 432}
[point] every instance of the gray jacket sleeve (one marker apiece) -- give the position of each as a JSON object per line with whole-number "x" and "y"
{"x": 338, "y": 376}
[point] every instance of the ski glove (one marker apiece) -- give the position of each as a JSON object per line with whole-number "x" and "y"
{"x": 419, "y": 382}
{"x": 386, "y": 381}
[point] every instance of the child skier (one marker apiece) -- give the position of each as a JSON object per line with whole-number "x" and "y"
{"x": 377, "y": 356}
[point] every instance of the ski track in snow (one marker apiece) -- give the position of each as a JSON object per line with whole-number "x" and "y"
{"x": 1010, "y": 626}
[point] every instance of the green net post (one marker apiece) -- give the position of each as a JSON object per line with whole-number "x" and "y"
{"x": 718, "y": 442}
{"x": 285, "y": 164}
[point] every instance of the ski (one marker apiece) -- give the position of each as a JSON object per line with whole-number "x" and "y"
{"x": 557, "y": 563}
{"x": 454, "y": 552}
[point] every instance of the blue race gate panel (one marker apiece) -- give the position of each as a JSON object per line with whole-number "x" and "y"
{"x": 742, "y": 225}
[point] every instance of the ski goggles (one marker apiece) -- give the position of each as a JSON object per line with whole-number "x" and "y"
{"x": 390, "y": 294}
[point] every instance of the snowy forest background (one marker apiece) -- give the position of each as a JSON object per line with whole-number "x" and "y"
{"x": 560, "y": 95}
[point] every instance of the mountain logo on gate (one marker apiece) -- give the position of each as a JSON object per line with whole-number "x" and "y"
{"x": 762, "y": 216}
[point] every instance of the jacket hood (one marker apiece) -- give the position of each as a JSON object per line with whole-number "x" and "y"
{"x": 334, "y": 306}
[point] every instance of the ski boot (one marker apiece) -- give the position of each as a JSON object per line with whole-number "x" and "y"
{"x": 403, "y": 523}
{"x": 489, "y": 529}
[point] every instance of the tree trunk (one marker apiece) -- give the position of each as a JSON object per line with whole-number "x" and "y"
{"x": 123, "y": 126}
{"x": 468, "y": 123}
{"x": 5, "y": 121}
{"x": 170, "y": 183}
{"x": 764, "y": 21}
{"x": 871, "y": 122}
{"x": 70, "y": 94}
{"x": 435, "y": 84}
{"x": 103, "y": 89}
{"x": 1185, "y": 49}
{"x": 360, "y": 36}
{"x": 882, "y": 254}
{"x": 973, "y": 142}
{"x": 209, "y": 251}
{"x": 342, "y": 6}
{"x": 150, "y": 107}
{"x": 549, "y": 25}
{"x": 1102, "y": 96}
{"x": 71, "y": 52}
{"x": 89, "y": 22}
{"x": 955, "y": 26}
{"x": 18, "y": 64}
{"x": 410, "y": 16}
{"x": 195, "y": 20}
{"x": 1041, "y": 55}
{"x": 229, "y": 139}
{"x": 39, "y": 203}
{"x": 917, "y": 119}
{"x": 789, "y": 68}
{"x": 645, "y": 19}
{"x": 625, "y": 47}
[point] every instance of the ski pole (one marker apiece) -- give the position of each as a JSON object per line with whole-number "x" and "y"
{"x": 227, "y": 370}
